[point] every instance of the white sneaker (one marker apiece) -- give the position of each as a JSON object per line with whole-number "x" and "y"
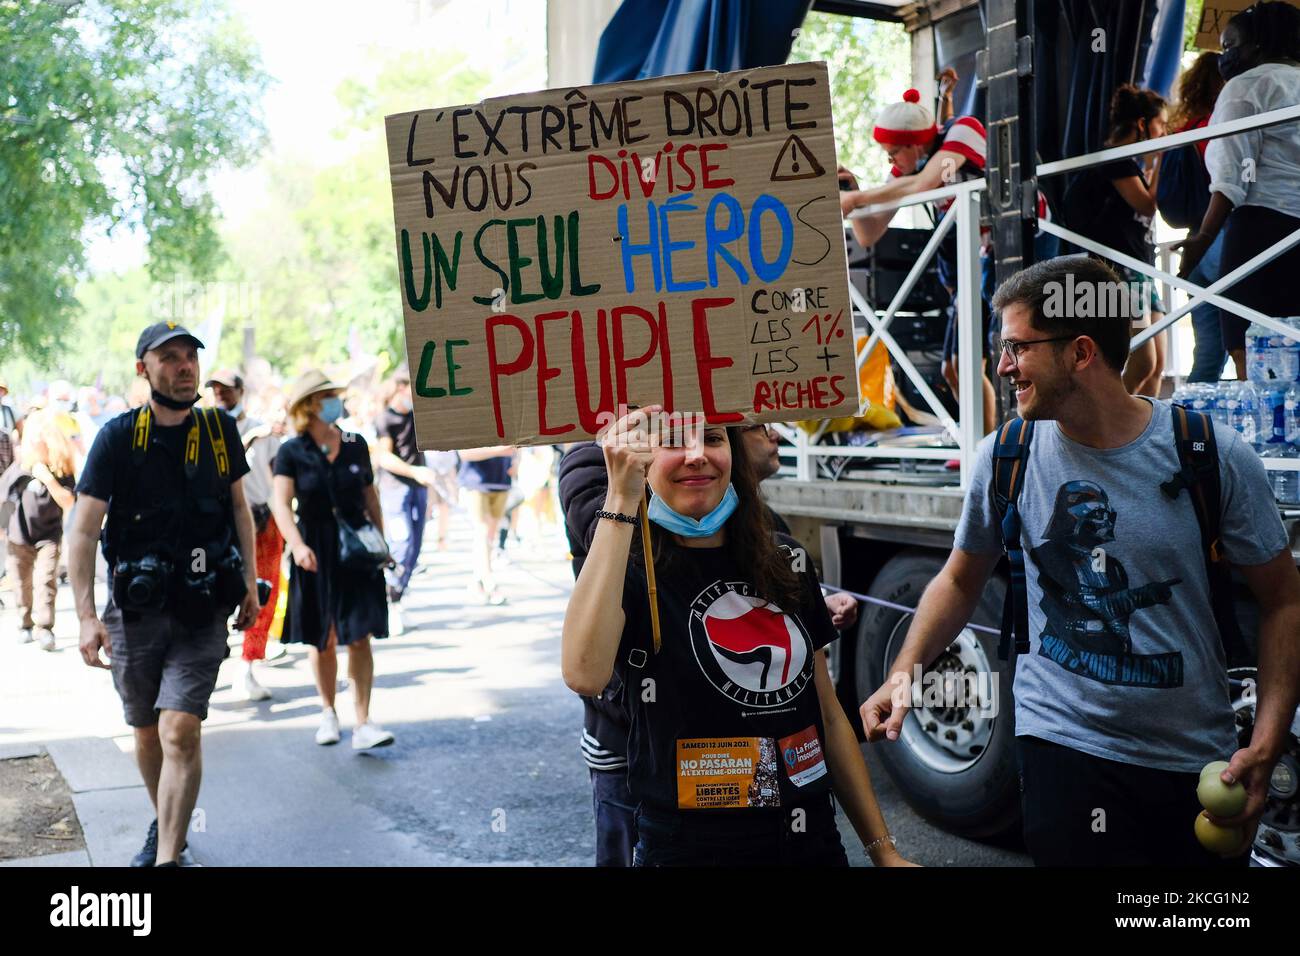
{"x": 45, "y": 638}
{"x": 25, "y": 636}
{"x": 396, "y": 626}
{"x": 275, "y": 651}
{"x": 368, "y": 735}
{"x": 252, "y": 689}
{"x": 328, "y": 733}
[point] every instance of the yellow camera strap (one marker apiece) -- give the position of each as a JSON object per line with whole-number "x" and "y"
{"x": 218, "y": 440}
{"x": 193, "y": 440}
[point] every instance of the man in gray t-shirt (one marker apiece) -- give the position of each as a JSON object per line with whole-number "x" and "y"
{"x": 1125, "y": 661}
{"x": 1123, "y": 696}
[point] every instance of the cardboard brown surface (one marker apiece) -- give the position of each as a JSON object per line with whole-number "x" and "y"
{"x": 741, "y": 312}
{"x": 1215, "y": 16}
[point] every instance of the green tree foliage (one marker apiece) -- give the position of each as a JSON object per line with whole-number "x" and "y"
{"x": 1192, "y": 23}
{"x": 113, "y": 113}
{"x": 866, "y": 58}
{"x": 322, "y": 255}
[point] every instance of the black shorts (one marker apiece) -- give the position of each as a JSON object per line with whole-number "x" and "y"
{"x": 950, "y": 333}
{"x": 1081, "y": 810}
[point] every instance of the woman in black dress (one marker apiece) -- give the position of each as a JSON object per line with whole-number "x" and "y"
{"x": 329, "y": 605}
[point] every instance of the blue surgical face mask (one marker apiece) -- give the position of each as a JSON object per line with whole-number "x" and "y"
{"x": 711, "y": 523}
{"x": 331, "y": 410}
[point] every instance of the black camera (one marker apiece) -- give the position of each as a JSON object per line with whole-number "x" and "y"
{"x": 219, "y": 584}
{"x": 143, "y": 584}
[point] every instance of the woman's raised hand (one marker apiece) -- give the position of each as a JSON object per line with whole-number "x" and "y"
{"x": 628, "y": 445}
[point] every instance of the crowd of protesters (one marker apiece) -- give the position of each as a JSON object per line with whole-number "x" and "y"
{"x": 47, "y": 432}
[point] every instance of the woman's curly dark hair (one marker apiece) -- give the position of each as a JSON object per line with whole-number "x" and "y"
{"x": 750, "y": 540}
{"x": 1198, "y": 89}
{"x": 1129, "y": 105}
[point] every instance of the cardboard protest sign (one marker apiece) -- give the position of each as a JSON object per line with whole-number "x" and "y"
{"x": 671, "y": 241}
{"x": 1215, "y": 16}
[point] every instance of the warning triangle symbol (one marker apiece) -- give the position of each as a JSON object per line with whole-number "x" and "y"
{"x": 795, "y": 161}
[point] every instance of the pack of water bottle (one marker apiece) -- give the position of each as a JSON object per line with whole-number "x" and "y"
{"x": 1264, "y": 409}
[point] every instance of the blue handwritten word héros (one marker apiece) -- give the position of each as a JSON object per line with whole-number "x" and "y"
{"x": 724, "y": 223}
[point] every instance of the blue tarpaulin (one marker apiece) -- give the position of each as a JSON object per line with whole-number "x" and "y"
{"x": 661, "y": 37}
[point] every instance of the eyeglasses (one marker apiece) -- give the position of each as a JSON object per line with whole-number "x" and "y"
{"x": 1013, "y": 350}
{"x": 769, "y": 430}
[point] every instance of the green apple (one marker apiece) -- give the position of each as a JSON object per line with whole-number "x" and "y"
{"x": 1215, "y": 766}
{"x": 1224, "y": 841}
{"x": 1221, "y": 799}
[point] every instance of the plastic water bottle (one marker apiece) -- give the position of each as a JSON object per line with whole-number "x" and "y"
{"x": 1272, "y": 416}
{"x": 1291, "y": 414}
{"x": 1288, "y": 354}
{"x": 1257, "y": 354}
{"x": 1201, "y": 398}
{"x": 1219, "y": 401}
{"x": 1243, "y": 412}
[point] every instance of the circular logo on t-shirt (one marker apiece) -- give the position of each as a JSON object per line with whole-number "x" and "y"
{"x": 749, "y": 648}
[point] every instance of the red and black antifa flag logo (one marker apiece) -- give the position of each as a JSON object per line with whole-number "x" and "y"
{"x": 749, "y": 648}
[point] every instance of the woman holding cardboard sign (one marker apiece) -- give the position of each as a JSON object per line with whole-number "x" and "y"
{"x": 737, "y": 737}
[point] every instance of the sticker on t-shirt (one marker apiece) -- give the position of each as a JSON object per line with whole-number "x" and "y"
{"x": 726, "y": 773}
{"x": 801, "y": 755}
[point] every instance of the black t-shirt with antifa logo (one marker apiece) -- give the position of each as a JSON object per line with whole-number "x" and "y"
{"x": 726, "y": 715}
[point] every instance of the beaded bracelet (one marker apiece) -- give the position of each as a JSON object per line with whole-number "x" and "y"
{"x": 615, "y": 516}
{"x": 878, "y": 841}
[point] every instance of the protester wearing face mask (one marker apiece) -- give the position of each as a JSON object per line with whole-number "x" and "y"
{"x": 583, "y": 486}
{"x": 1254, "y": 176}
{"x": 1114, "y": 204}
{"x": 328, "y": 471}
{"x": 737, "y": 737}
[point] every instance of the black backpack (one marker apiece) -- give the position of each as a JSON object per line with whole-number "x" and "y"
{"x": 42, "y": 522}
{"x": 1183, "y": 192}
{"x": 1198, "y": 457}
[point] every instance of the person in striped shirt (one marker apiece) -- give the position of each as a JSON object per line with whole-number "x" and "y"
{"x": 924, "y": 156}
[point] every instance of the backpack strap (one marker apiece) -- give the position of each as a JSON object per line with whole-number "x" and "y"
{"x": 1198, "y": 459}
{"x": 1010, "y": 461}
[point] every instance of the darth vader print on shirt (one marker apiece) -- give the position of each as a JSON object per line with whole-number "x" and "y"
{"x": 1087, "y": 600}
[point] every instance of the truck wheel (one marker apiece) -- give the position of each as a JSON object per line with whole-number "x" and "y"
{"x": 955, "y": 760}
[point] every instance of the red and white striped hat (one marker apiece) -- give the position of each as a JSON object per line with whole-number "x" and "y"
{"x": 905, "y": 124}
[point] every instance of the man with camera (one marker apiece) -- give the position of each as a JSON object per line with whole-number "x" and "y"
{"x": 179, "y": 543}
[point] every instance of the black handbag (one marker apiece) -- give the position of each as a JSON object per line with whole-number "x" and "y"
{"x": 361, "y": 547}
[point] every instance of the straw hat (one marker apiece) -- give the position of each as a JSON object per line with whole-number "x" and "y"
{"x": 308, "y": 384}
